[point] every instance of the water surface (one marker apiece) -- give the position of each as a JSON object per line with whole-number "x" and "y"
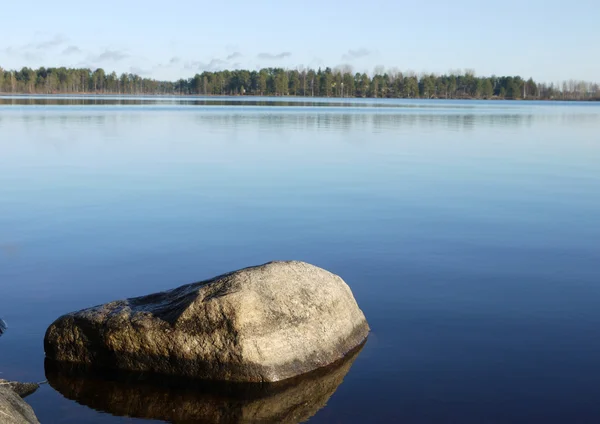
{"x": 469, "y": 233}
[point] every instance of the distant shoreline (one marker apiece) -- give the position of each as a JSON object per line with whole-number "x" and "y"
{"x": 67, "y": 95}
{"x": 309, "y": 83}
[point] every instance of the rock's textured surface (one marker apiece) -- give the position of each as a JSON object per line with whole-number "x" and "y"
{"x": 22, "y": 389}
{"x": 191, "y": 401}
{"x": 13, "y": 409}
{"x": 265, "y": 323}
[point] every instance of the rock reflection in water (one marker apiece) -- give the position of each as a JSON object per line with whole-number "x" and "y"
{"x": 178, "y": 401}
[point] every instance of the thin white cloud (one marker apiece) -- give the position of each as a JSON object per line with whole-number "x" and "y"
{"x": 55, "y": 41}
{"x": 356, "y": 54}
{"x": 35, "y": 51}
{"x": 71, "y": 50}
{"x": 111, "y": 55}
{"x": 140, "y": 71}
{"x": 270, "y": 56}
{"x": 214, "y": 64}
{"x": 234, "y": 55}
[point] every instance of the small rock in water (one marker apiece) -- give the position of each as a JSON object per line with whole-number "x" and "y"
{"x": 260, "y": 324}
{"x": 22, "y": 389}
{"x": 13, "y": 409}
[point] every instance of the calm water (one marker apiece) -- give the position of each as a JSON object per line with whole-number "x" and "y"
{"x": 469, "y": 233}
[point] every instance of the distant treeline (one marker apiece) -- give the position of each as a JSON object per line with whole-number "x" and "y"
{"x": 305, "y": 82}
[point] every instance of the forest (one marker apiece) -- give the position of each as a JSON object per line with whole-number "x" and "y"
{"x": 328, "y": 82}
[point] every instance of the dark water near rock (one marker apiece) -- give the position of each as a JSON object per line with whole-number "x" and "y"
{"x": 469, "y": 233}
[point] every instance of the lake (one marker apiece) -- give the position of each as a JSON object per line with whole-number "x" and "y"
{"x": 468, "y": 231}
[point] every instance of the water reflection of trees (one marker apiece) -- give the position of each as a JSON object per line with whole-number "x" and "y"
{"x": 230, "y": 101}
{"x": 188, "y": 101}
{"x": 372, "y": 121}
{"x": 111, "y": 121}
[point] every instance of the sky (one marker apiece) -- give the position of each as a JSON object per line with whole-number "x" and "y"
{"x": 548, "y": 40}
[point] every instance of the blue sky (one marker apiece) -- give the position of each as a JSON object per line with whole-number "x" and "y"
{"x": 549, "y": 40}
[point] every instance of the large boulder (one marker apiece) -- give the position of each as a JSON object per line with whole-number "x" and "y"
{"x": 13, "y": 409}
{"x": 261, "y": 324}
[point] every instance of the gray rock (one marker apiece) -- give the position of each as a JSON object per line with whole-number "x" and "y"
{"x": 260, "y": 324}
{"x": 22, "y": 389}
{"x": 13, "y": 409}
